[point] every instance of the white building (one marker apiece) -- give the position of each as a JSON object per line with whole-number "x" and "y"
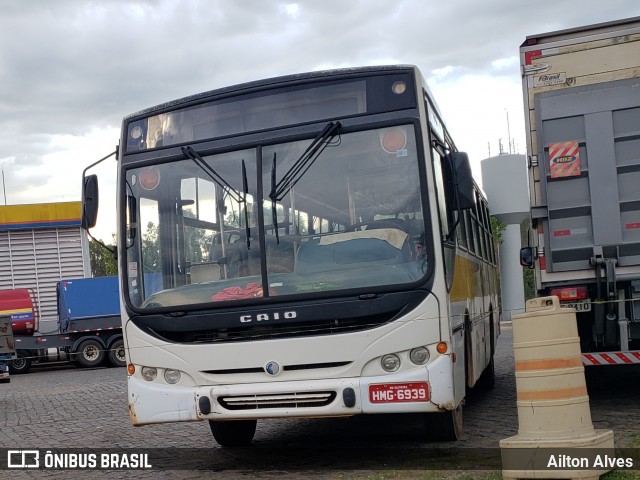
{"x": 504, "y": 180}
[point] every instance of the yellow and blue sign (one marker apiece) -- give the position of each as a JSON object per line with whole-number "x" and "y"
{"x": 42, "y": 215}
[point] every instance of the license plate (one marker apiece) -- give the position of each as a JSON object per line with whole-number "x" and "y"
{"x": 579, "y": 305}
{"x": 399, "y": 392}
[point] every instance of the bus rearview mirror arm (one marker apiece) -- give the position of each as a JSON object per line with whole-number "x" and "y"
{"x": 90, "y": 200}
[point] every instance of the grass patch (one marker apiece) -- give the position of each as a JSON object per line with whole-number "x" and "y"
{"x": 422, "y": 475}
{"x": 621, "y": 475}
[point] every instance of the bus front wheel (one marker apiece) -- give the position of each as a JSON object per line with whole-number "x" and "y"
{"x": 234, "y": 433}
{"x": 444, "y": 427}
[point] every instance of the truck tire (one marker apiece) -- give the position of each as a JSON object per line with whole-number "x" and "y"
{"x": 90, "y": 353}
{"x": 21, "y": 364}
{"x": 116, "y": 355}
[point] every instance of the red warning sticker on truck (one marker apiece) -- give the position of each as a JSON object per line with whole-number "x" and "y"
{"x": 564, "y": 159}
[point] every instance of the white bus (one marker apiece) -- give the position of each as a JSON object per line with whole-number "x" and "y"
{"x": 305, "y": 246}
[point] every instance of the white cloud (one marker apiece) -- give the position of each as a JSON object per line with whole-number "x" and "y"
{"x": 71, "y": 71}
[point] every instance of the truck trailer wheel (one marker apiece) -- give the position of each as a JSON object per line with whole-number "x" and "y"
{"x": 90, "y": 353}
{"x": 20, "y": 364}
{"x": 116, "y": 355}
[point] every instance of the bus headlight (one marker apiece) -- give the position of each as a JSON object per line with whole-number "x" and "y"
{"x": 172, "y": 376}
{"x": 390, "y": 362}
{"x": 149, "y": 373}
{"x": 419, "y": 355}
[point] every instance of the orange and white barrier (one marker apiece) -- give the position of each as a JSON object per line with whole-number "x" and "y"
{"x": 552, "y": 399}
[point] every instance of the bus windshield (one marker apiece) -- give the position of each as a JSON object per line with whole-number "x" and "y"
{"x": 273, "y": 221}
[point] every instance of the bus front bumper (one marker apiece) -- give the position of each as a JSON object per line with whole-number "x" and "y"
{"x": 151, "y": 402}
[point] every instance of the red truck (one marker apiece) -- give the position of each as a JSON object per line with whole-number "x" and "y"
{"x": 7, "y": 347}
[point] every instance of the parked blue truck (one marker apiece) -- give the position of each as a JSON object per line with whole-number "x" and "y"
{"x": 89, "y": 326}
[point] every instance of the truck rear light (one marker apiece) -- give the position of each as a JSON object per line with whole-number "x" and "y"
{"x": 529, "y": 56}
{"x": 570, "y": 293}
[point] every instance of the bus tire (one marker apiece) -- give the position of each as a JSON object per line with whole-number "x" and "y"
{"x": 116, "y": 355}
{"x": 20, "y": 364}
{"x": 234, "y": 433}
{"x": 90, "y": 353}
{"x": 487, "y": 379}
{"x": 444, "y": 427}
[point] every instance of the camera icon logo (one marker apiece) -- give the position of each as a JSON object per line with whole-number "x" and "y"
{"x": 23, "y": 459}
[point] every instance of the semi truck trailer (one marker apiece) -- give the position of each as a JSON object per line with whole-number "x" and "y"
{"x": 89, "y": 327}
{"x": 581, "y": 91}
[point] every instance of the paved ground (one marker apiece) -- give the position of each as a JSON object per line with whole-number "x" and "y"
{"x": 74, "y": 408}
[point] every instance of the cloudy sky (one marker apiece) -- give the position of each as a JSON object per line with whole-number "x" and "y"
{"x": 70, "y": 70}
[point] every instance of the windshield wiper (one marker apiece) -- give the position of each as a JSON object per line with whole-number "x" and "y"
{"x": 245, "y": 186}
{"x": 274, "y": 212}
{"x": 213, "y": 175}
{"x": 239, "y": 197}
{"x": 303, "y": 163}
{"x": 280, "y": 189}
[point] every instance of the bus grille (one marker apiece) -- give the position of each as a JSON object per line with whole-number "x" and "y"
{"x": 286, "y": 330}
{"x": 286, "y": 368}
{"x": 280, "y": 400}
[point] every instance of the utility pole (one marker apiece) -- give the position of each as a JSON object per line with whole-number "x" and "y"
{"x": 4, "y": 190}
{"x": 508, "y": 130}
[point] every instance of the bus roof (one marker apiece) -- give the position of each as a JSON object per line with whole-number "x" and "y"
{"x": 261, "y": 84}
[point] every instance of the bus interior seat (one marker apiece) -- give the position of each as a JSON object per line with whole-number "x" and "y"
{"x": 205, "y": 272}
{"x": 382, "y": 246}
{"x": 280, "y": 254}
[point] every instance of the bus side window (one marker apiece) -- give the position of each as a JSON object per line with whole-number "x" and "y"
{"x": 443, "y": 207}
{"x": 462, "y": 230}
{"x": 471, "y": 239}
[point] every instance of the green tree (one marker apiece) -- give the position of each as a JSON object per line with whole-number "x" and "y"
{"x": 151, "y": 249}
{"x": 103, "y": 262}
{"x": 197, "y": 240}
{"x": 497, "y": 229}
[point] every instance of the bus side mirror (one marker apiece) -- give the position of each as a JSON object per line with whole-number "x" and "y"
{"x": 526, "y": 257}
{"x": 464, "y": 198}
{"x": 89, "y": 201}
